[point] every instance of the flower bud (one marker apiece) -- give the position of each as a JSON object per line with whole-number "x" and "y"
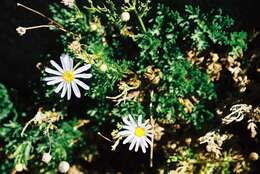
{"x": 21, "y": 30}
{"x": 103, "y": 67}
{"x": 253, "y": 156}
{"x": 68, "y": 3}
{"x": 64, "y": 167}
{"x": 19, "y": 167}
{"x": 46, "y": 157}
{"x": 125, "y": 16}
{"x": 93, "y": 26}
{"x": 188, "y": 141}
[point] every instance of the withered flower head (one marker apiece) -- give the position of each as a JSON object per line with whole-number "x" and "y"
{"x": 153, "y": 74}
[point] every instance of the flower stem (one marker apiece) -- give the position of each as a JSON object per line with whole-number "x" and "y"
{"x": 38, "y": 26}
{"x": 101, "y": 135}
{"x": 152, "y": 123}
{"x": 42, "y": 15}
{"x": 79, "y": 63}
{"x": 140, "y": 21}
{"x": 49, "y": 137}
{"x": 51, "y": 21}
{"x": 25, "y": 127}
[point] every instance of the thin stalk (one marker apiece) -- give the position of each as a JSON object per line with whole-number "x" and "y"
{"x": 25, "y": 127}
{"x": 101, "y": 135}
{"x": 40, "y": 14}
{"x": 79, "y": 63}
{"x": 38, "y": 26}
{"x": 49, "y": 137}
{"x": 140, "y": 20}
{"x": 56, "y": 24}
{"x": 152, "y": 123}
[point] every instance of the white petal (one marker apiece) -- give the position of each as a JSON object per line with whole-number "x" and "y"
{"x": 71, "y": 63}
{"x": 52, "y": 78}
{"x": 137, "y": 145}
{"x": 62, "y": 59}
{"x": 83, "y": 68}
{"x": 69, "y": 91}
{"x": 81, "y": 84}
{"x": 75, "y": 89}
{"x": 59, "y": 87}
{"x": 148, "y": 127}
{"x": 125, "y": 120}
{"x": 139, "y": 120}
{"x": 149, "y": 134}
{"x": 54, "y": 82}
{"x": 65, "y": 61}
{"x": 149, "y": 131}
{"x": 83, "y": 75}
{"x": 64, "y": 90}
{"x": 129, "y": 138}
{"x": 142, "y": 145}
{"x": 132, "y": 144}
{"x": 51, "y": 71}
{"x": 56, "y": 66}
{"x": 132, "y": 120}
{"x": 130, "y": 128}
{"x": 124, "y": 133}
{"x": 147, "y": 140}
{"x": 146, "y": 122}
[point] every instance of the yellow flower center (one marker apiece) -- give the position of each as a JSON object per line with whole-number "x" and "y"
{"x": 68, "y": 76}
{"x": 139, "y": 132}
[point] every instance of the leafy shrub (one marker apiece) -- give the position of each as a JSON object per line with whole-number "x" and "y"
{"x": 6, "y": 106}
{"x": 139, "y": 66}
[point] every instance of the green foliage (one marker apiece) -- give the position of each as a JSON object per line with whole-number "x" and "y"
{"x": 207, "y": 28}
{"x": 163, "y": 45}
{"x": 36, "y": 142}
{"x": 22, "y": 153}
{"x": 6, "y": 106}
{"x": 238, "y": 43}
{"x": 103, "y": 82}
{"x": 70, "y": 18}
{"x": 140, "y": 69}
{"x": 199, "y": 30}
{"x": 160, "y": 46}
{"x": 129, "y": 107}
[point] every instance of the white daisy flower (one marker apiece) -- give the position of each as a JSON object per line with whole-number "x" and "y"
{"x": 67, "y": 77}
{"x": 137, "y": 133}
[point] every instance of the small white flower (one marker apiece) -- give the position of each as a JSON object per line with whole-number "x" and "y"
{"x": 125, "y": 16}
{"x": 64, "y": 167}
{"x": 103, "y": 67}
{"x": 46, "y": 157}
{"x": 136, "y": 133}
{"x": 67, "y": 77}
{"x": 20, "y": 167}
{"x": 21, "y": 30}
{"x": 68, "y": 3}
{"x": 93, "y": 26}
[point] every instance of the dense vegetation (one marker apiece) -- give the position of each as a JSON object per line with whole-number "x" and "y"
{"x": 175, "y": 69}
